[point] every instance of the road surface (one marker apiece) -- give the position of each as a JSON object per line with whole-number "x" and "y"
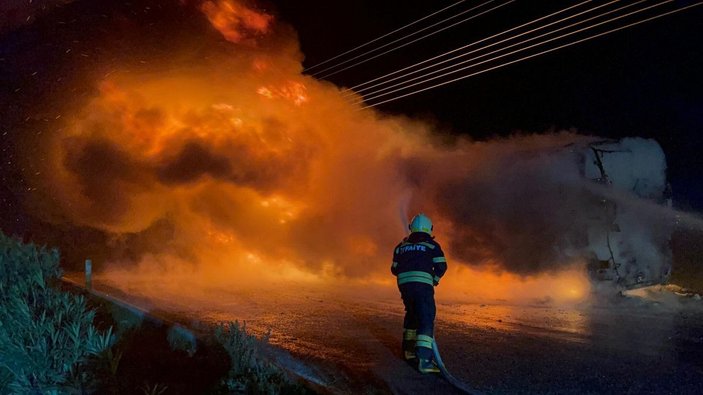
{"x": 348, "y": 339}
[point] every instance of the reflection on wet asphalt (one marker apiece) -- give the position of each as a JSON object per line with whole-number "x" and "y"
{"x": 352, "y": 337}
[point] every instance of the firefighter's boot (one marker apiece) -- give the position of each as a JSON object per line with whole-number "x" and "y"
{"x": 427, "y": 366}
{"x": 409, "y": 338}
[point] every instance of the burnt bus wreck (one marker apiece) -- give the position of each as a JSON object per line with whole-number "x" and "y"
{"x": 627, "y": 234}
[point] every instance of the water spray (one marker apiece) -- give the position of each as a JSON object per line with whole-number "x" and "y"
{"x": 403, "y": 207}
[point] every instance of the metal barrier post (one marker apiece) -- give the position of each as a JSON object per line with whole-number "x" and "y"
{"x": 88, "y": 274}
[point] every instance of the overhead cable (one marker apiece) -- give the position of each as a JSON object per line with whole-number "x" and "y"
{"x": 537, "y": 54}
{"x": 355, "y": 87}
{"x": 383, "y": 36}
{"x": 482, "y": 47}
{"x": 376, "y": 92}
{"x": 521, "y": 49}
{"x": 317, "y": 74}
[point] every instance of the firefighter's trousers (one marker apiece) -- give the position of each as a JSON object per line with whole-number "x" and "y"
{"x": 420, "y": 310}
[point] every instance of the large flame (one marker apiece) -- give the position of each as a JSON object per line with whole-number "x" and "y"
{"x": 237, "y": 22}
{"x": 264, "y": 174}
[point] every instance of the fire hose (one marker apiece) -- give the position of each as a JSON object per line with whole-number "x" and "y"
{"x": 458, "y": 384}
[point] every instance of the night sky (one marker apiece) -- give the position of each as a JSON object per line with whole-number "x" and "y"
{"x": 643, "y": 81}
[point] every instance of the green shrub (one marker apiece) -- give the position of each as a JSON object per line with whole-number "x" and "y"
{"x": 156, "y": 389}
{"x": 46, "y": 336}
{"x": 250, "y": 372}
{"x": 183, "y": 339}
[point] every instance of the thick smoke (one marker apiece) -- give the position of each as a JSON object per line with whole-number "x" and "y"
{"x": 319, "y": 184}
{"x": 241, "y": 162}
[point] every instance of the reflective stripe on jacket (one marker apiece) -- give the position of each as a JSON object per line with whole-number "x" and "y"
{"x": 419, "y": 258}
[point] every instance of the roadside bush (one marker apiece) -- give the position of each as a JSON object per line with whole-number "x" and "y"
{"x": 250, "y": 372}
{"x": 47, "y": 336}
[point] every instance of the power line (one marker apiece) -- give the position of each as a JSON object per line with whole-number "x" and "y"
{"x": 353, "y": 88}
{"x": 483, "y": 48}
{"x": 376, "y": 93}
{"x": 383, "y": 36}
{"x": 419, "y": 38}
{"x": 407, "y": 36}
{"x": 536, "y": 54}
{"x": 521, "y": 49}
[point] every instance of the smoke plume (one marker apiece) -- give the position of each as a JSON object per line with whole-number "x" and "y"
{"x": 242, "y": 163}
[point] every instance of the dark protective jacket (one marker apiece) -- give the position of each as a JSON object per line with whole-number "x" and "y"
{"x": 418, "y": 258}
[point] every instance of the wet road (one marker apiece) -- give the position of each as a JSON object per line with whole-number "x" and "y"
{"x": 349, "y": 339}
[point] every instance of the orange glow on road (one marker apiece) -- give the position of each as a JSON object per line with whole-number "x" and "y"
{"x": 464, "y": 283}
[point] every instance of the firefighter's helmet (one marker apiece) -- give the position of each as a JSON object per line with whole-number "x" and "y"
{"x": 421, "y": 223}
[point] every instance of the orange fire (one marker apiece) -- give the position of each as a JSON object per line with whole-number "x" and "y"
{"x": 294, "y": 92}
{"x": 237, "y": 22}
{"x": 269, "y": 175}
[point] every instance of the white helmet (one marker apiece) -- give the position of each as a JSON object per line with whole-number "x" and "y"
{"x": 421, "y": 223}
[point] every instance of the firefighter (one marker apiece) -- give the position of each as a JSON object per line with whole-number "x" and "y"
{"x": 419, "y": 263}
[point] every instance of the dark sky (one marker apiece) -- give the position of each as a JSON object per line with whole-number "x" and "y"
{"x": 644, "y": 81}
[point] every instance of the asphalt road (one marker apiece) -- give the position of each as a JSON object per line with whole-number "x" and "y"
{"x": 348, "y": 339}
